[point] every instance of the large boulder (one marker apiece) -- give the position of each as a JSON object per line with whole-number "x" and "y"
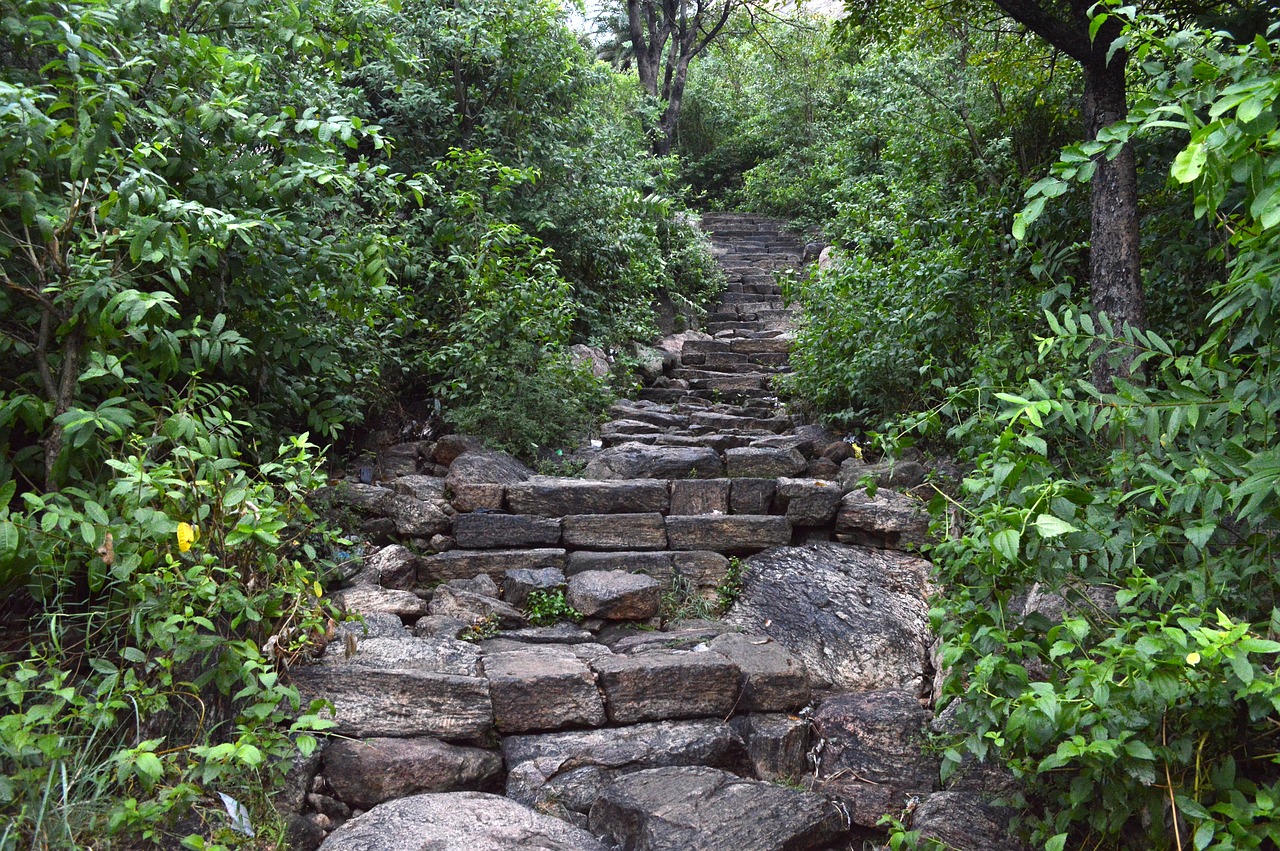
{"x": 683, "y": 808}
{"x": 367, "y": 772}
{"x": 856, "y": 617}
{"x": 457, "y": 821}
{"x": 473, "y": 475}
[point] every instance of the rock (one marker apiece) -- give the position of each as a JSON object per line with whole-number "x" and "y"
{"x": 298, "y": 779}
{"x": 457, "y": 821}
{"x": 655, "y": 564}
{"x": 615, "y": 531}
{"x": 440, "y": 626}
{"x": 425, "y": 488}
{"x": 516, "y": 639}
{"x": 675, "y": 343}
{"x": 730, "y": 422}
{"x": 438, "y": 655}
{"x": 373, "y": 702}
{"x": 403, "y": 459}
{"x": 305, "y": 832}
{"x": 808, "y": 502}
{"x": 772, "y": 679}
{"x": 441, "y": 543}
{"x": 727, "y": 534}
{"x": 415, "y": 518}
{"x": 821, "y": 468}
{"x": 614, "y": 594}
{"x": 591, "y": 358}
{"x": 777, "y": 745}
{"x": 481, "y": 584}
{"x": 649, "y": 413}
{"x": 366, "y": 772}
{"x": 693, "y": 807}
{"x": 856, "y": 617}
{"x": 541, "y": 689}
{"x": 465, "y": 605}
{"x": 518, "y": 584}
{"x": 449, "y": 447}
{"x": 752, "y": 496}
{"x": 463, "y": 564}
{"x": 638, "y": 461}
{"x": 486, "y": 465}
{"x": 374, "y": 625}
{"x": 837, "y": 451}
{"x": 706, "y": 570}
{"x": 888, "y": 520}
{"x": 570, "y": 769}
{"x": 961, "y": 820}
{"x": 886, "y": 474}
{"x": 667, "y": 684}
{"x": 550, "y": 496}
{"x": 394, "y": 567}
{"x": 479, "y": 496}
{"x": 364, "y": 499}
{"x": 372, "y": 599}
{"x": 484, "y": 531}
{"x": 764, "y": 463}
{"x": 876, "y": 737}
{"x": 700, "y": 496}
{"x": 649, "y": 362}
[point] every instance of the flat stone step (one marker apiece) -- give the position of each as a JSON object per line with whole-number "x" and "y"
{"x": 552, "y": 496}
{"x": 725, "y": 422}
{"x": 638, "y": 461}
{"x": 468, "y": 564}
{"x": 734, "y": 534}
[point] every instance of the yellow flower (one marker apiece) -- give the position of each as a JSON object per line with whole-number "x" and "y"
{"x": 1193, "y": 658}
{"x": 187, "y": 535}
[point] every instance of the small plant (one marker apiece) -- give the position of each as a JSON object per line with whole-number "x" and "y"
{"x": 682, "y": 600}
{"x": 546, "y": 608}
{"x": 730, "y": 588}
{"x": 481, "y": 629}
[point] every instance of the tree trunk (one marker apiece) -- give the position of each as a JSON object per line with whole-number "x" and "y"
{"x": 1115, "y": 274}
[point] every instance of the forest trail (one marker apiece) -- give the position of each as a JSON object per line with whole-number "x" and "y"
{"x": 752, "y": 655}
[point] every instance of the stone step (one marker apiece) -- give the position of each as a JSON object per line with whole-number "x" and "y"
{"x": 734, "y": 327}
{"x": 552, "y": 496}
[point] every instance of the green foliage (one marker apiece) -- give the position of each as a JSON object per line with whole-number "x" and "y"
{"x": 1140, "y": 708}
{"x": 683, "y": 600}
{"x": 547, "y": 608}
{"x": 175, "y": 593}
{"x": 730, "y": 588}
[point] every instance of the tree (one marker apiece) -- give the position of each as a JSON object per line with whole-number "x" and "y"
{"x": 665, "y": 37}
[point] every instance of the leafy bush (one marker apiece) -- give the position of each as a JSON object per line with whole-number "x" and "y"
{"x": 1142, "y": 715}
{"x": 175, "y": 595}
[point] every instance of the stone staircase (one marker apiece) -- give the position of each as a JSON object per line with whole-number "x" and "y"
{"x": 655, "y": 717}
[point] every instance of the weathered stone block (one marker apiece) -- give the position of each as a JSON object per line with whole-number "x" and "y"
{"x": 615, "y": 531}
{"x": 614, "y": 594}
{"x": 700, "y": 496}
{"x": 464, "y": 564}
{"x": 546, "y": 688}
{"x": 367, "y": 772}
{"x": 808, "y": 502}
{"x": 492, "y": 531}
{"x": 660, "y": 685}
{"x": 889, "y": 520}
{"x": 752, "y": 496}
{"x": 739, "y": 533}
{"x": 773, "y": 680}
{"x": 764, "y": 463}
{"x": 373, "y": 702}
{"x": 551, "y": 496}
{"x": 655, "y": 564}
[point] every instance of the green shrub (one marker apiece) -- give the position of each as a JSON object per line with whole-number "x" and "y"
{"x": 175, "y": 595}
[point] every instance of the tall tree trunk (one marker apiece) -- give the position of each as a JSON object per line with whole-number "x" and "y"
{"x": 1115, "y": 274}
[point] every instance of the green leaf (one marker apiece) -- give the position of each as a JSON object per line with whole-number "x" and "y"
{"x": 1007, "y": 542}
{"x": 1188, "y": 165}
{"x": 1050, "y": 526}
{"x": 1056, "y": 843}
